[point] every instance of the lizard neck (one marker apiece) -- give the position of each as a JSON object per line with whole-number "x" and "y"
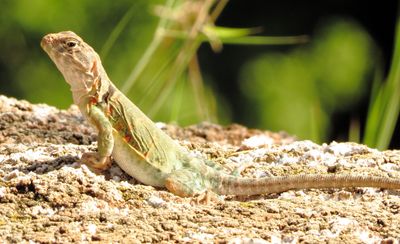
{"x": 96, "y": 94}
{"x": 94, "y": 89}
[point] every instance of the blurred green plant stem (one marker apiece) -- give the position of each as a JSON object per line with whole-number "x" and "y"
{"x": 189, "y": 18}
{"x": 183, "y": 26}
{"x": 385, "y": 100}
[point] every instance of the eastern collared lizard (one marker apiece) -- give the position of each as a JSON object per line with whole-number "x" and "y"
{"x": 144, "y": 151}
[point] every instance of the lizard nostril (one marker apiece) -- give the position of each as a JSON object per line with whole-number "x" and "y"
{"x": 46, "y": 40}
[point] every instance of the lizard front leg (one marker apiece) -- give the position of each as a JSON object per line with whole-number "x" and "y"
{"x": 100, "y": 160}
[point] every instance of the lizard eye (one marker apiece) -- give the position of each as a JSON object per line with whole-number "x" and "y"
{"x": 71, "y": 43}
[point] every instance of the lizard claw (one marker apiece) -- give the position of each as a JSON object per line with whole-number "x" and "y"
{"x": 94, "y": 161}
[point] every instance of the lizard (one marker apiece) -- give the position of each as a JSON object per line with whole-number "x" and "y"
{"x": 145, "y": 152}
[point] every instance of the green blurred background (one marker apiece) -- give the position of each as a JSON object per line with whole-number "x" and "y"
{"x": 317, "y": 90}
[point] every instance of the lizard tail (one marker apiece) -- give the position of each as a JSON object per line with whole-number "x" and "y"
{"x": 247, "y": 186}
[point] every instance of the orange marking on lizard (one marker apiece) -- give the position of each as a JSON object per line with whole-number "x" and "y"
{"x": 109, "y": 111}
{"x": 93, "y": 100}
{"x": 176, "y": 189}
{"x": 146, "y": 154}
{"x": 128, "y": 138}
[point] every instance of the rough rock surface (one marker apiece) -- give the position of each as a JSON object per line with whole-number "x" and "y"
{"x": 47, "y": 196}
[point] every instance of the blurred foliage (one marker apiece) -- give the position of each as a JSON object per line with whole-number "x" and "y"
{"x": 171, "y": 58}
{"x": 169, "y": 69}
{"x": 34, "y": 77}
{"x": 145, "y": 46}
{"x": 299, "y": 91}
{"x": 149, "y": 49}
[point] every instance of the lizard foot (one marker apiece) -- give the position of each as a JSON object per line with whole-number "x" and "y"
{"x": 94, "y": 161}
{"x": 205, "y": 197}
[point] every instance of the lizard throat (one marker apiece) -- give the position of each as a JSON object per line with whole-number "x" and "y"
{"x": 79, "y": 94}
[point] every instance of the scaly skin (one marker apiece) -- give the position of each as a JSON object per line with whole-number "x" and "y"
{"x": 144, "y": 151}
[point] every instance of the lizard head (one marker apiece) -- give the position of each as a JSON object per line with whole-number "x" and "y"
{"x": 76, "y": 60}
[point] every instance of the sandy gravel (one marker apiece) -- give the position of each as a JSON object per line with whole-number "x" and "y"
{"x": 46, "y": 196}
